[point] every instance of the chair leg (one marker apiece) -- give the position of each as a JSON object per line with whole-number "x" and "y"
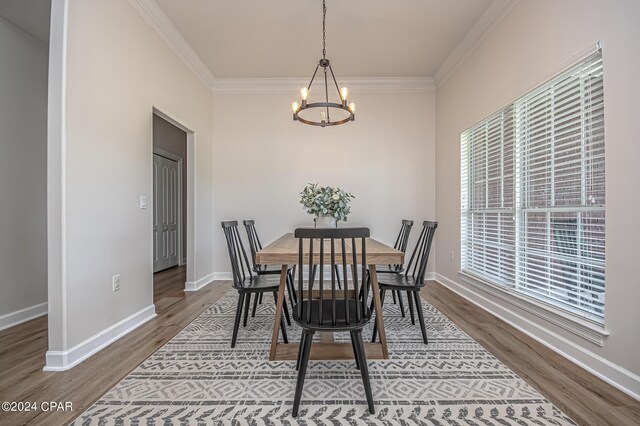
{"x": 303, "y": 336}
{"x": 401, "y": 303}
{"x": 371, "y": 304}
{"x": 283, "y": 327}
{"x": 393, "y": 294}
{"x": 284, "y": 307}
{"x": 302, "y": 371}
{"x": 255, "y": 304}
{"x": 361, "y": 294}
{"x": 410, "y": 299}
{"x": 261, "y": 298}
{"x": 338, "y": 276}
{"x": 368, "y": 286}
{"x": 247, "y": 302}
{"x": 293, "y": 285}
{"x": 290, "y": 290}
{"x": 355, "y": 353}
{"x": 356, "y": 337}
{"x": 375, "y": 323}
{"x": 423, "y": 328}
{"x": 236, "y": 324}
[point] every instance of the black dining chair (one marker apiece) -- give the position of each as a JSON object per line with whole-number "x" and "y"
{"x": 400, "y": 244}
{"x": 338, "y": 310}
{"x": 412, "y": 280}
{"x": 245, "y": 282}
{"x": 255, "y": 245}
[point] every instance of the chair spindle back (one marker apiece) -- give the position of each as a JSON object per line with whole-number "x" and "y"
{"x": 417, "y": 267}
{"x": 402, "y": 240}
{"x": 254, "y": 243}
{"x": 240, "y": 266}
{"x": 330, "y": 247}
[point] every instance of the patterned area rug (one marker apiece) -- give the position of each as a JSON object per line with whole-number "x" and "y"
{"x": 196, "y": 378}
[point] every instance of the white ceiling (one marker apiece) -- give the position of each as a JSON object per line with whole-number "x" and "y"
{"x": 32, "y": 16}
{"x": 283, "y": 38}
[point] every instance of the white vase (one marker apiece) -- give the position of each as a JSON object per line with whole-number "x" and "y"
{"x": 323, "y": 221}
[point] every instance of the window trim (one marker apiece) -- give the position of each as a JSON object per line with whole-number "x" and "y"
{"x": 586, "y": 328}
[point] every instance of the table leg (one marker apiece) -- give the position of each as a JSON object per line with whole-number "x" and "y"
{"x": 278, "y": 315}
{"x": 377, "y": 306}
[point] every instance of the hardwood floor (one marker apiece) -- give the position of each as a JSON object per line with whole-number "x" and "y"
{"x": 169, "y": 283}
{"x": 22, "y": 350}
{"x": 587, "y": 399}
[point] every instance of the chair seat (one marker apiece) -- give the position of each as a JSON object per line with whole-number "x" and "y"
{"x": 398, "y": 282}
{"x": 258, "y": 283}
{"x": 341, "y": 317}
{"x": 270, "y": 270}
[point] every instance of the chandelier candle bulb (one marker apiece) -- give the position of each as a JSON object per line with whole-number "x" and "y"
{"x": 295, "y": 106}
{"x": 344, "y": 92}
{"x": 352, "y": 107}
{"x": 304, "y": 93}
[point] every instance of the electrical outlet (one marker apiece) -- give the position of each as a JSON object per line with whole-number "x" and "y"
{"x": 115, "y": 282}
{"x": 451, "y": 258}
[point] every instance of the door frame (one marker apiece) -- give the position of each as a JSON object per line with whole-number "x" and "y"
{"x": 190, "y": 232}
{"x": 178, "y": 159}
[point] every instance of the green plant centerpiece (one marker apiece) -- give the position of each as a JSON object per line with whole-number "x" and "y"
{"x": 328, "y": 204}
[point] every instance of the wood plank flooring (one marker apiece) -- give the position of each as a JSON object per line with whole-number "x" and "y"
{"x": 22, "y": 350}
{"x": 587, "y": 399}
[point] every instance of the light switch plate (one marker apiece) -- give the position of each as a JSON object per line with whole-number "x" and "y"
{"x": 143, "y": 202}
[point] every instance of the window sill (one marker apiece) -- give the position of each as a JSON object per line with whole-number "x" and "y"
{"x": 583, "y": 327}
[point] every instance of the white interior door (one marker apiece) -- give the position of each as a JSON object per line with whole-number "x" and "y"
{"x": 166, "y": 208}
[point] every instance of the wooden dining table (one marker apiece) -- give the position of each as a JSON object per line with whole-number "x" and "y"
{"x": 284, "y": 252}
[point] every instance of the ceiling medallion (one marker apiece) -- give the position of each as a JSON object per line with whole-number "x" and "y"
{"x": 325, "y": 107}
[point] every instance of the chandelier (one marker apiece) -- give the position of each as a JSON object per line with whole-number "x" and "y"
{"x": 325, "y": 107}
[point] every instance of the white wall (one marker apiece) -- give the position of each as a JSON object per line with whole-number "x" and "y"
{"x": 117, "y": 70}
{"x": 533, "y": 40}
{"x": 263, "y": 159}
{"x": 23, "y": 174}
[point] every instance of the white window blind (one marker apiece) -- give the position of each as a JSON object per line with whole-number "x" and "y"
{"x": 532, "y": 193}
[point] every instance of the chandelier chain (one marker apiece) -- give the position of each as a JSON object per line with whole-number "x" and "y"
{"x": 324, "y": 29}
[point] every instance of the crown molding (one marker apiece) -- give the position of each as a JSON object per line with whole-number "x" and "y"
{"x": 292, "y": 85}
{"x": 482, "y": 28}
{"x": 153, "y": 14}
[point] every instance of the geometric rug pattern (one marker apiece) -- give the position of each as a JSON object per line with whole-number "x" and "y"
{"x": 197, "y": 379}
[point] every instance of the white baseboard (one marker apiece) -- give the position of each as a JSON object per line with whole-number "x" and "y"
{"x": 23, "y": 315}
{"x": 197, "y": 285}
{"x": 617, "y": 376}
{"x": 64, "y": 360}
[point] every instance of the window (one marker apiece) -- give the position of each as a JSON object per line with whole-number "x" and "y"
{"x": 533, "y": 193}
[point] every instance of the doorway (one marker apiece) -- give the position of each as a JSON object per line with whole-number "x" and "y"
{"x": 169, "y": 206}
{"x": 174, "y": 140}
